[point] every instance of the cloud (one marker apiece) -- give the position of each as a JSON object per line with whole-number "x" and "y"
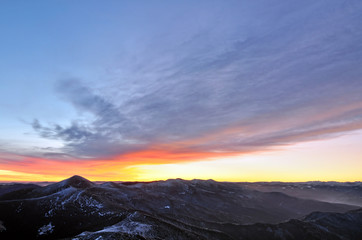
{"x": 73, "y": 133}
{"x": 104, "y": 134}
{"x": 264, "y": 79}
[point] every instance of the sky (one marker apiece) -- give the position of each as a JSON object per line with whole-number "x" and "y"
{"x": 265, "y": 90}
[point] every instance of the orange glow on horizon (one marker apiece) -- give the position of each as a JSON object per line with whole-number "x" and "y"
{"x": 116, "y": 169}
{"x": 338, "y": 159}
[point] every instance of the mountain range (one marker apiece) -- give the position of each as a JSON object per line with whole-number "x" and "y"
{"x": 77, "y": 208}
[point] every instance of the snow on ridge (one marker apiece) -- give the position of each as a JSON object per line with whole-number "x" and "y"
{"x": 127, "y": 225}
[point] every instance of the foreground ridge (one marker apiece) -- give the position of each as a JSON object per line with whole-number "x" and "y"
{"x": 77, "y": 208}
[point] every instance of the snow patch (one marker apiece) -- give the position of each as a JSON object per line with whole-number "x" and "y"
{"x": 126, "y": 226}
{"x": 50, "y": 213}
{"x": 19, "y": 208}
{"x": 46, "y": 229}
{"x": 2, "y": 227}
{"x": 129, "y": 227}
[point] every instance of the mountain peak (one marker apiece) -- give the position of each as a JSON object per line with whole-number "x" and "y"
{"x": 78, "y": 182}
{"x": 74, "y": 181}
{"x": 77, "y": 177}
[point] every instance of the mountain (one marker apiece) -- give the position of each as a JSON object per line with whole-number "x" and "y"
{"x": 173, "y": 209}
{"x": 316, "y": 226}
{"x": 336, "y": 192}
{"x": 8, "y": 188}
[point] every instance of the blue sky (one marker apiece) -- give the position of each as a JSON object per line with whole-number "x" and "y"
{"x": 95, "y": 80}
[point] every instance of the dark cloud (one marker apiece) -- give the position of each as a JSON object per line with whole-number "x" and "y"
{"x": 269, "y": 78}
{"x": 73, "y": 133}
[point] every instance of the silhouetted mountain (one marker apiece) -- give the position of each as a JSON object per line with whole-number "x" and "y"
{"x": 172, "y": 209}
{"x": 77, "y": 182}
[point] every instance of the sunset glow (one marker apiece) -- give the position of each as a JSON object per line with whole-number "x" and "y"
{"x": 236, "y": 92}
{"x": 312, "y": 161}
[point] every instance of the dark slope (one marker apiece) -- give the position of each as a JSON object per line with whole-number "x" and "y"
{"x": 172, "y": 209}
{"x": 316, "y": 226}
{"x": 331, "y": 226}
{"x": 16, "y": 191}
{"x": 220, "y": 202}
{"x": 8, "y": 188}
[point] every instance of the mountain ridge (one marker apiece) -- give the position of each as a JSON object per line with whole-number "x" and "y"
{"x": 190, "y": 209}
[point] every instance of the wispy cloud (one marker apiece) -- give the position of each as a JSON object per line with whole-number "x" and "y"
{"x": 268, "y": 78}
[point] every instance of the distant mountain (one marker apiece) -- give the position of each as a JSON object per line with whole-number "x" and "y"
{"x": 335, "y": 192}
{"x": 173, "y": 209}
{"x": 8, "y": 188}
